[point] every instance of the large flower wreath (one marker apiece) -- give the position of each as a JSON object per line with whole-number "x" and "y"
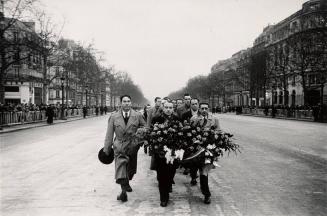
{"x": 176, "y": 141}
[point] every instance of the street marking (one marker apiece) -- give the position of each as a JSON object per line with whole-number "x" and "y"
{"x": 220, "y": 212}
{"x": 236, "y": 210}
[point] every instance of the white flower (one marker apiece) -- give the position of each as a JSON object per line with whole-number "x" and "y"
{"x": 168, "y": 156}
{"x": 207, "y": 161}
{"x": 179, "y": 154}
{"x": 208, "y": 153}
{"x": 216, "y": 164}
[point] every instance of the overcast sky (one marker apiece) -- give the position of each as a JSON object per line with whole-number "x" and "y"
{"x": 163, "y": 43}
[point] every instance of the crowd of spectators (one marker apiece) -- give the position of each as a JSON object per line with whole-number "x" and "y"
{"x": 318, "y": 112}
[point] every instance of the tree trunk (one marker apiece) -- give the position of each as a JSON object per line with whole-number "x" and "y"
{"x": 2, "y": 92}
{"x": 2, "y": 71}
{"x": 45, "y": 81}
{"x": 82, "y": 95}
{"x": 321, "y": 117}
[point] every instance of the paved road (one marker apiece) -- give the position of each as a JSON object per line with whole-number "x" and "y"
{"x": 54, "y": 171}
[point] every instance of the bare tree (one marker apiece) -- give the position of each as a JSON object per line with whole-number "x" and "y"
{"x": 49, "y": 35}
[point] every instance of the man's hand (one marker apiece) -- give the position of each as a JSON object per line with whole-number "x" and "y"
{"x": 106, "y": 151}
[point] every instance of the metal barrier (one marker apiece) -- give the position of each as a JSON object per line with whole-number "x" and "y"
{"x": 281, "y": 113}
{"x": 21, "y": 117}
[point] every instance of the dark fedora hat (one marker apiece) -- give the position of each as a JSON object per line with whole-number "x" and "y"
{"x": 104, "y": 158}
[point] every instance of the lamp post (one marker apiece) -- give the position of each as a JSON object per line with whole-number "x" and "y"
{"x": 86, "y": 91}
{"x": 62, "y": 98}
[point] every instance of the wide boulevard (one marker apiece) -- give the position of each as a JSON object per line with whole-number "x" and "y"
{"x": 54, "y": 170}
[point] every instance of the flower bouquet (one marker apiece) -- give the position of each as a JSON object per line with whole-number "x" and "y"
{"x": 164, "y": 139}
{"x": 208, "y": 144}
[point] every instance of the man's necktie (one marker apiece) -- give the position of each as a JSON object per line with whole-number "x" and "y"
{"x": 125, "y": 118}
{"x": 204, "y": 121}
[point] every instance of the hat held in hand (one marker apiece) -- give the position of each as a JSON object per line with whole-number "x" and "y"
{"x": 104, "y": 158}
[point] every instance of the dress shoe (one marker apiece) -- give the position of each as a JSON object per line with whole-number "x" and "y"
{"x": 129, "y": 188}
{"x": 207, "y": 200}
{"x": 193, "y": 182}
{"x": 122, "y": 197}
{"x": 164, "y": 203}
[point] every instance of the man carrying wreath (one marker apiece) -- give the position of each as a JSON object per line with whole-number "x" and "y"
{"x": 165, "y": 170}
{"x": 205, "y": 120}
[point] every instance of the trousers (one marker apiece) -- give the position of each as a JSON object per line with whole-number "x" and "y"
{"x": 165, "y": 176}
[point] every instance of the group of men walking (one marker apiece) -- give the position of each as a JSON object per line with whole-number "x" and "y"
{"x": 126, "y": 122}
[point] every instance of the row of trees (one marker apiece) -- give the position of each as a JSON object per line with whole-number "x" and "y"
{"x": 298, "y": 57}
{"x": 82, "y": 64}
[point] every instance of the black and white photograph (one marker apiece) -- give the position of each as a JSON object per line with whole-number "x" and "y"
{"x": 163, "y": 107}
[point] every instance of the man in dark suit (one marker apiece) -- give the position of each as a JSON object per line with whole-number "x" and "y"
{"x": 209, "y": 121}
{"x": 185, "y": 106}
{"x": 186, "y": 117}
{"x": 124, "y": 123}
{"x": 156, "y": 110}
{"x": 165, "y": 171}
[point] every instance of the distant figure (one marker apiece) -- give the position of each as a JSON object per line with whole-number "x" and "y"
{"x": 49, "y": 113}
{"x": 145, "y": 111}
{"x": 97, "y": 110}
{"x": 84, "y": 111}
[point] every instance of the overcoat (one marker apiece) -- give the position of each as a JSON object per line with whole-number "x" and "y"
{"x": 125, "y": 144}
{"x": 153, "y": 112}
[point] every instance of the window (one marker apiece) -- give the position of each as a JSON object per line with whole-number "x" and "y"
{"x": 57, "y": 71}
{"x": 11, "y": 88}
{"x": 281, "y": 97}
{"x": 15, "y": 36}
{"x": 312, "y": 79}
{"x": 293, "y": 80}
{"x": 57, "y": 94}
{"x": 16, "y": 71}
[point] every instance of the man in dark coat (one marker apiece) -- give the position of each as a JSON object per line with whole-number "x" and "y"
{"x": 84, "y": 111}
{"x": 124, "y": 124}
{"x": 187, "y": 117}
{"x": 185, "y": 106}
{"x": 49, "y": 113}
{"x": 154, "y": 111}
{"x": 165, "y": 172}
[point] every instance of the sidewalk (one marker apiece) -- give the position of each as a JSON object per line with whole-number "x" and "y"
{"x": 262, "y": 116}
{"x": 18, "y": 127}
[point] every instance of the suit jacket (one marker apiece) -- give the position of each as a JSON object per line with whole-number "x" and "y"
{"x": 187, "y": 115}
{"x": 152, "y": 113}
{"x": 125, "y": 144}
{"x": 181, "y": 110}
{"x": 212, "y": 121}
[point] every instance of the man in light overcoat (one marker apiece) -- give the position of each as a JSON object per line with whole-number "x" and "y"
{"x": 124, "y": 124}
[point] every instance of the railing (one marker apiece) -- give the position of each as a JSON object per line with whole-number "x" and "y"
{"x": 14, "y": 118}
{"x": 280, "y": 113}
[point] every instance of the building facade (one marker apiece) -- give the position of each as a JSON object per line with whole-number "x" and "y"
{"x": 23, "y": 77}
{"x": 287, "y": 63}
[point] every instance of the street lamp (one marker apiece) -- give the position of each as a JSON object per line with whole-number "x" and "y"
{"x": 62, "y": 98}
